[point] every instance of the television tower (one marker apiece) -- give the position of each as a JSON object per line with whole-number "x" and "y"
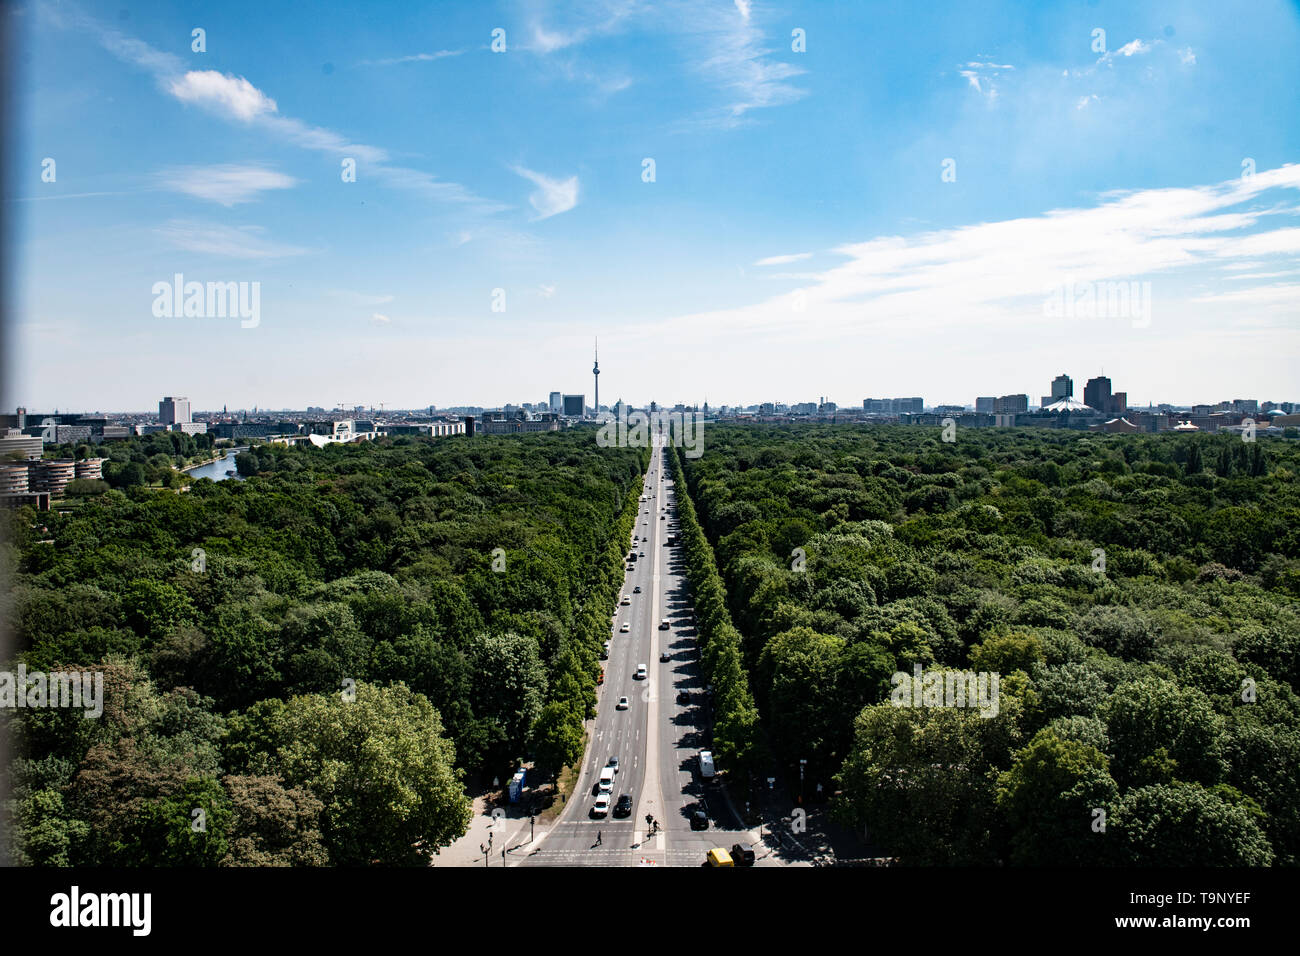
{"x": 595, "y": 371}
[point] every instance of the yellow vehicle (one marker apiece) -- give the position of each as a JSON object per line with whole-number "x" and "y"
{"x": 719, "y": 857}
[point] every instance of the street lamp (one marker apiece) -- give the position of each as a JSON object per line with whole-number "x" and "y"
{"x": 802, "y": 763}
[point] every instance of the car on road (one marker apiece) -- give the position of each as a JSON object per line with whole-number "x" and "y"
{"x": 637, "y": 589}
{"x": 624, "y": 627}
{"x": 624, "y": 806}
{"x": 665, "y": 657}
{"x": 640, "y": 672}
{"x": 625, "y": 600}
{"x": 664, "y": 625}
{"x": 642, "y": 554}
{"x": 607, "y": 779}
{"x": 699, "y": 819}
{"x": 663, "y": 517}
{"x": 601, "y": 806}
{"x": 622, "y": 704}
{"x": 718, "y": 857}
{"x": 683, "y": 697}
{"x": 742, "y": 854}
{"x": 612, "y": 762}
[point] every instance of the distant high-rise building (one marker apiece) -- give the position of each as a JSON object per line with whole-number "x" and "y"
{"x": 595, "y": 374}
{"x": 1096, "y": 393}
{"x": 1011, "y": 405}
{"x": 557, "y": 402}
{"x": 574, "y": 406}
{"x": 984, "y": 404}
{"x": 174, "y": 411}
{"x": 1062, "y": 387}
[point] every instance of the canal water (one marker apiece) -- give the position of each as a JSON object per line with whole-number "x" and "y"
{"x": 216, "y": 470}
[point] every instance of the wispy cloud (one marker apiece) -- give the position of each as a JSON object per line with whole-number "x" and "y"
{"x": 379, "y": 318}
{"x": 227, "y": 184}
{"x": 236, "y": 99}
{"x": 997, "y": 274}
{"x": 552, "y": 196}
{"x": 243, "y": 242}
{"x": 980, "y": 76}
{"x": 782, "y": 260}
{"x": 412, "y": 58}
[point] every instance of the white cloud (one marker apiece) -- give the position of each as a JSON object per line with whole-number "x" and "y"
{"x": 744, "y": 7}
{"x": 244, "y": 242}
{"x": 552, "y": 196}
{"x": 972, "y": 280}
{"x": 1085, "y": 100}
{"x": 380, "y": 319}
{"x": 782, "y": 260}
{"x": 413, "y": 58}
{"x": 546, "y": 291}
{"x": 235, "y": 98}
{"x": 226, "y": 184}
{"x": 1187, "y": 56}
{"x": 980, "y": 74}
{"x": 223, "y": 93}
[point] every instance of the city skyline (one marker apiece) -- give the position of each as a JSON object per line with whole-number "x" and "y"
{"x": 731, "y": 196}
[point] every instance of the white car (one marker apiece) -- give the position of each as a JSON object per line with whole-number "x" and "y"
{"x": 622, "y": 704}
{"x": 640, "y": 673}
{"x": 601, "y": 807}
{"x": 624, "y": 627}
{"x": 626, "y": 601}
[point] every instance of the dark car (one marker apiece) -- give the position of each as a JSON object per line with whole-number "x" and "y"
{"x": 699, "y": 820}
{"x": 637, "y": 589}
{"x": 742, "y": 854}
{"x": 665, "y": 657}
{"x": 683, "y": 697}
{"x": 624, "y": 808}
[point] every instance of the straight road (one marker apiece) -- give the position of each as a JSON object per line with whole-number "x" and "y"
{"x": 658, "y": 736}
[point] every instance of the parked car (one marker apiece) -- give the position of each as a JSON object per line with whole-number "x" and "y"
{"x": 665, "y": 657}
{"x": 664, "y": 625}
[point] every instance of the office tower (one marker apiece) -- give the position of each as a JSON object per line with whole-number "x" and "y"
{"x": 557, "y": 402}
{"x": 1096, "y": 393}
{"x": 174, "y": 411}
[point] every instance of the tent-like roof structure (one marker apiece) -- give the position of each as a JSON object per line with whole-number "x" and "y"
{"x": 1068, "y": 405}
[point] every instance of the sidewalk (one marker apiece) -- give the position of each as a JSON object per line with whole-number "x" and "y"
{"x": 508, "y": 830}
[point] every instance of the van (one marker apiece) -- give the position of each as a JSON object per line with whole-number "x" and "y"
{"x": 706, "y": 764}
{"x": 719, "y": 857}
{"x": 607, "y": 780}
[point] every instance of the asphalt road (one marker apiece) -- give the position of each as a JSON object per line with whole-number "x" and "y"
{"x": 658, "y": 737}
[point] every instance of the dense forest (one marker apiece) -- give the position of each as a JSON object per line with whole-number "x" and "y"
{"x": 1139, "y": 596}
{"x": 314, "y": 661}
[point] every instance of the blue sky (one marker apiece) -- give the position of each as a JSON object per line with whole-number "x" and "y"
{"x": 800, "y": 238}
